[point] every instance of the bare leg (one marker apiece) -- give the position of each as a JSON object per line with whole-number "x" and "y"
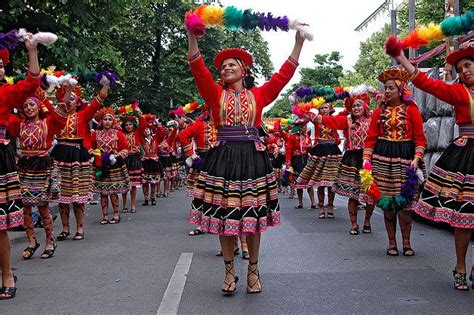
{"x": 165, "y": 189}
{"x": 227, "y": 246}
{"x": 253, "y": 279}
{"x": 29, "y": 225}
{"x": 7, "y": 275}
{"x": 104, "y": 202}
{"x": 64, "y": 213}
{"x": 79, "y": 214}
{"x": 133, "y": 198}
{"x": 321, "y": 197}
{"x": 390, "y": 220}
{"x": 461, "y": 241}
{"x": 146, "y": 193}
{"x": 124, "y": 202}
{"x": 115, "y": 205}
{"x": 331, "y": 196}
{"x": 369, "y": 210}
{"x": 48, "y": 225}
{"x": 405, "y": 218}
{"x": 311, "y": 196}
{"x": 153, "y": 193}
{"x": 352, "y": 205}
{"x": 300, "y": 198}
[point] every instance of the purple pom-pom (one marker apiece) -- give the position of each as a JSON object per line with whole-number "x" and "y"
{"x": 44, "y": 82}
{"x": 303, "y": 91}
{"x": 198, "y": 163}
{"x": 9, "y": 40}
{"x": 408, "y": 189}
{"x": 109, "y": 75}
{"x": 268, "y": 22}
{"x": 106, "y": 160}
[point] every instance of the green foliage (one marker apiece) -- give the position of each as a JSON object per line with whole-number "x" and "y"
{"x": 327, "y": 72}
{"x": 143, "y": 41}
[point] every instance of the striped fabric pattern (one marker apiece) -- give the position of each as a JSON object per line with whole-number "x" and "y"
{"x": 76, "y": 181}
{"x": 11, "y": 215}
{"x": 38, "y": 186}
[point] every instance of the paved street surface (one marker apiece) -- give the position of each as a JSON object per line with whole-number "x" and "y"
{"x": 307, "y": 265}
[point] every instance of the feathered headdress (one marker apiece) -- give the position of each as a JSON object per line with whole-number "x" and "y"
{"x": 130, "y": 112}
{"x": 104, "y": 111}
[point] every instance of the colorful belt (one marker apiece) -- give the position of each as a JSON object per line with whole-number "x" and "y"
{"x": 466, "y": 131}
{"x": 30, "y": 153}
{"x": 326, "y": 142}
{"x": 237, "y": 133}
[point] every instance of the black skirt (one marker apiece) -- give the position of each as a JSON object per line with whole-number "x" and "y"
{"x": 11, "y": 211}
{"x": 236, "y": 192}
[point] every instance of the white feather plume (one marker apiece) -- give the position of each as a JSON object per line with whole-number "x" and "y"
{"x": 302, "y": 28}
{"x": 54, "y": 81}
{"x": 45, "y": 38}
{"x": 360, "y": 89}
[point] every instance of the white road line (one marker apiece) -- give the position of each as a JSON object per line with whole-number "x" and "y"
{"x": 170, "y": 302}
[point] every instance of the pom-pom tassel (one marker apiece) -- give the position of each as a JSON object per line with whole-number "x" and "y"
{"x": 393, "y": 46}
{"x": 195, "y": 25}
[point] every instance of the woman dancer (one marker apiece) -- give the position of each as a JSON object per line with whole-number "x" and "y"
{"x": 395, "y": 141}
{"x": 236, "y": 191}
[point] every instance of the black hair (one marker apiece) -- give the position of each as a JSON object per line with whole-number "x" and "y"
{"x": 457, "y": 61}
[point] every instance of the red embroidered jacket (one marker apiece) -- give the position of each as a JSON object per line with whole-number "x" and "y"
{"x": 110, "y": 141}
{"x": 134, "y": 140}
{"x": 455, "y": 94}
{"x": 203, "y": 134}
{"x": 14, "y": 96}
{"x": 77, "y": 125}
{"x": 354, "y": 132}
{"x": 231, "y": 108}
{"x": 399, "y": 123}
{"x": 295, "y": 144}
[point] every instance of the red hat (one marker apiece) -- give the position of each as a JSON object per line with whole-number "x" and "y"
{"x": 467, "y": 51}
{"x": 394, "y": 74}
{"x": 235, "y": 53}
{"x": 5, "y": 56}
{"x": 350, "y": 100}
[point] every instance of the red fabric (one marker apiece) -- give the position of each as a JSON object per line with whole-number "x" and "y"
{"x": 14, "y": 96}
{"x": 263, "y": 95}
{"x": 120, "y": 146}
{"x": 454, "y": 94}
{"x": 413, "y": 127}
{"x": 295, "y": 145}
{"x": 196, "y": 131}
{"x": 336, "y": 123}
{"x": 77, "y": 125}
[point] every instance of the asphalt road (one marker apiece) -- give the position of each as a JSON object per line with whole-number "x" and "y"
{"x": 307, "y": 265}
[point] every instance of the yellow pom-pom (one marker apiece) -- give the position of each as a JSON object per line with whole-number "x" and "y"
{"x": 212, "y": 15}
{"x": 366, "y": 179}
{"x": 430, "y": 32}
{"x": 96, "y": 152}
{"x": 9, "y": 80}
{"x": 318, "y": 101}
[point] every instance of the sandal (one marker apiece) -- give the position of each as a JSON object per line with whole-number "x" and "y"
{"x": 408, "y": 252}
{"x": 322, "y": 215}
{"x": 299, "y": 207}
{"x": 313, "y": 207}
{"x": 392, "y": 251}
{"x": 153, "y": 202}
{"x": 48, "y": 253}
{"x": 63, "y": 236}
{"x": 30, "y": 251}
{"x": 196, "y": 232}
{"x": 229, "y": 267}
{"x": 115, "y": 220}
{"x": 133, "y": 210}
{"x": 253, "y": 270}
{"x": 79, "y": 236}
{"x": 245, "y": 255}
{"x": 104, "y": 221}
{"x": 330, "y": 214}
{"x": 7, "y": 293}
{"x": 460, "y": 282}
{"x": 355, "y": 230}
{"x": 145, "y": 203}
{"x": 367, "y": 229}
{"x": 125, "y": 210}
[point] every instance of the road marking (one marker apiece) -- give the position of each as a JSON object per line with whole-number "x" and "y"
{"x": 170, "y": 302}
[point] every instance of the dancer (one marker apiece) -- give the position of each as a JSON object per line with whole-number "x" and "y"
{"x": 321, "y": 168}
{"x": 448, "y": 193}
{"x": 109, "y": 147}
{"x": 236, "y": 191}
{"x": 347, "y": 181}
{"x": 72, "y": 157}
{"x": 11, "y": 212}
{"x": 395, "y": 141}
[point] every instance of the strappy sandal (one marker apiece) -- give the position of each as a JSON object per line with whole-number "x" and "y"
{"x": 30, "y": 251}
{"x": 63, "y": 236}
{"x": 355, "y": 230}
{"x": 322, "y": 214}
{"x": 229, "y": 267}
{"x": 125, "y": 210}
{"x": 408, "y": 252}
{"x": 133, "y": 210}
{"x": 115, "y": 220}
{"x": 253, "y": 270}
{"x": 330, "y": 214}
{"x": 7, "y": 293}
{"x": 460, "y": 282}
{"x": 392, "y": 251}
{"x": 104, "y": 221}
{"x": 196, "y": 232}
{"x": 79, "y": 236}
{"x": 48, "y": 253}
{"x": 367, "y": 229}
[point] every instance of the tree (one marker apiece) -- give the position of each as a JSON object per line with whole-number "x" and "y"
{"x": 327, "y": 72}
{"x": 143, "y": 41}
